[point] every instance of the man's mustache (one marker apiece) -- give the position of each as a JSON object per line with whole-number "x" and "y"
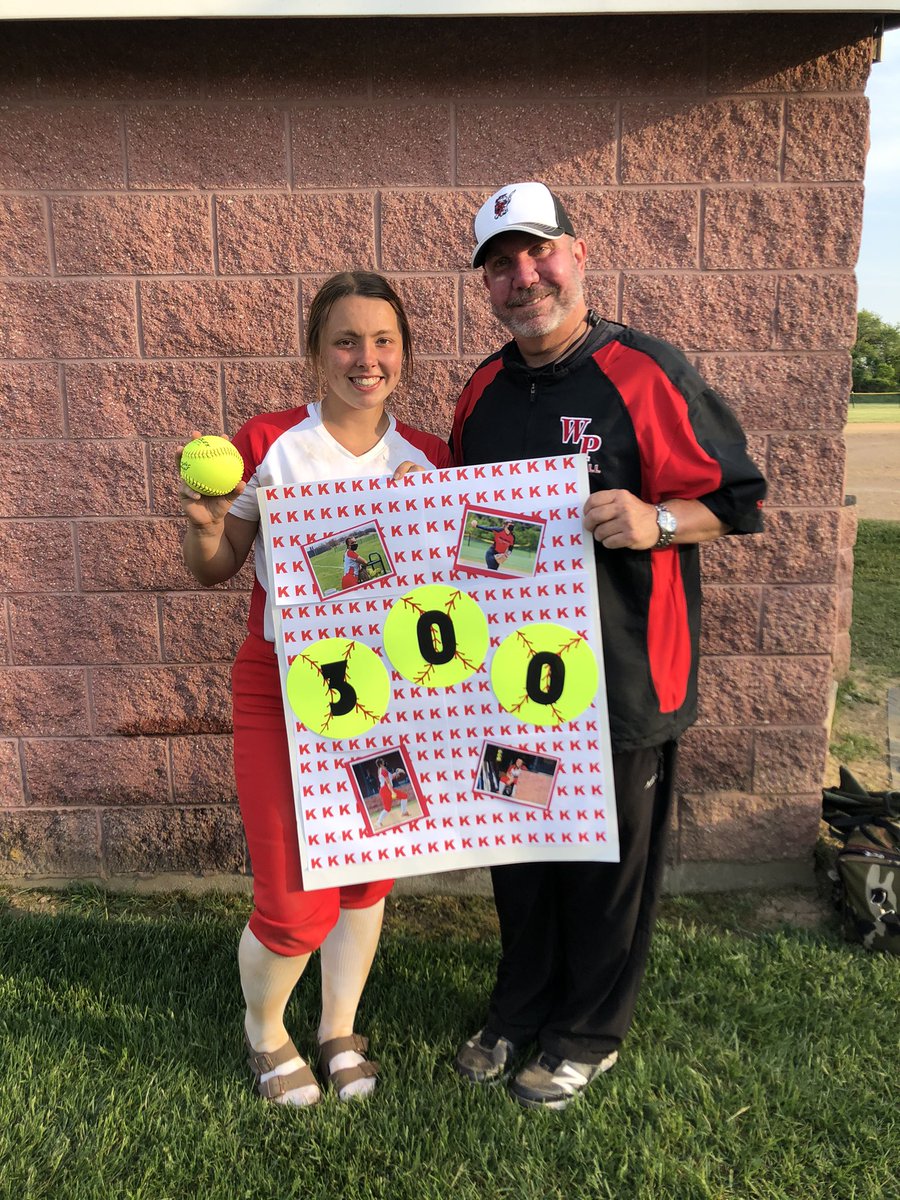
{"x": 529, "y": 296}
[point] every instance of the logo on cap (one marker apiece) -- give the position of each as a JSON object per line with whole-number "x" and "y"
{"x": 501, "y": 204}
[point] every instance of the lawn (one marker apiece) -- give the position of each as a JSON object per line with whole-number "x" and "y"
{"x": 763, "y": 1064}
{"x": 864, "y": 412}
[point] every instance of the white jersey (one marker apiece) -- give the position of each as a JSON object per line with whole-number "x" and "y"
{"x": 295, "y": 447}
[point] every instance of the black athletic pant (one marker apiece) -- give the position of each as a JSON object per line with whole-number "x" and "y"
{"x": 575, "y": 936}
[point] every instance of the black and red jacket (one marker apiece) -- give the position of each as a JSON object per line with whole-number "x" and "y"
{"x": 650, "y": 424}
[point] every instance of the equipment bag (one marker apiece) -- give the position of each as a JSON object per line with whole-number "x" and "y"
{"x": 868, "y": 863}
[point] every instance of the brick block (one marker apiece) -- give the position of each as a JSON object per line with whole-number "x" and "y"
{"x": 97, "y": 771}
{"x": 730, "y": 620}
{"x": 5, "y": 651}
{"x": 219, "y": 318}
{"x": 585, "y": 56}
{"x": 46, "y": 702}
{"x": 431, "y": 305}
{"x": 37, "y": 556}
{"x": 141, "y": 399}
{"x": 741, "y": 827}
{"x": 702, "y": 312}
{"x": 132, "y": 235}
{"x": 295, "y": 60}
{"x": 844, "y": 609}
{"x": 47, "y": 149}
{"x": 429, "y": 402}
{"x": 19, "y": 62}
{"x": 782, "y": 228}
{"x": 789, "y": 760}
{"x": 826, "y": 138}
{"x": 799, "y": 619}
{"x": 23, "y": 237}
{"x": 57, "y": 478}
{"x": 12, "y": 793}
{"x": 84, "y": 630}
{"x": 796, "y": 547}
{"x": 30, "y": 400}
{"x": 413, "y": 142}
{"x": 154, "y": 840}
{"x": 270, "y": 234}
{"x": 483, "y": 333}
{"x": 428, "y": 231}
{"x": 789, "y": 54}
{"x": 203, "y": 770}
{"x": 714, "y": 760}
{"x": 699, "y": 142}
{"x": 148, "y": 701}
{"x": 816, "y": 312}
{"x": 849, "y": 522}
{"x": 560, "y": 143}
{"x": 254, "y": 386}
{"x": 842, "y": 655}
{"x": 164, "y": 477}
{"x": 46, "y": 319}
{"x": 764, "y": 691}
{"x": 782, "y": 391}
{"x": 806, "y": 469}
{"x": 117, "y": 60}
{"x": 641, "y": 228}
{"x": 203, "y": 627}
{"x": 192, "y": 146}
{"x": 132, "y": 556}
{"x": 45, "y": 845}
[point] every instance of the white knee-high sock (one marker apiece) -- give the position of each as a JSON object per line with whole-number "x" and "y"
{"x": 267, "y": 980}
{"x": 346, "y": 959}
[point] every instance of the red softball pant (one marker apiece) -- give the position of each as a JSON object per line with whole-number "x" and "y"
{"x": 285, "y": 918}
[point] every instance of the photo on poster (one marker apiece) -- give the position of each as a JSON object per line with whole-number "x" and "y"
{"x": 346, "y": 560}
{"x": 520, "y": 776}
{"x": 504, "y": 545}
{"x": 387, "y": 791}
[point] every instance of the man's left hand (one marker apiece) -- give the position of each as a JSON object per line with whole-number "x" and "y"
{"x": 619, "y": 520}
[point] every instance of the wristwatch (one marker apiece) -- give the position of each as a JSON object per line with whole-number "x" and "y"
{"x": 668, "y": 527}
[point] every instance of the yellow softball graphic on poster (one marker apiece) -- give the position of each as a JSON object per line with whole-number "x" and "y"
{"x": 338, "y": 688}
{"x": 544, "y": 674}
{"x": 436, "y": 636}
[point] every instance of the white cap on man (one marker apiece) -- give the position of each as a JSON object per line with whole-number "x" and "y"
{"x": 530, "y": 207}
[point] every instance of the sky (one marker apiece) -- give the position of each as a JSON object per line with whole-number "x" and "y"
{"x": 878, "y": 269}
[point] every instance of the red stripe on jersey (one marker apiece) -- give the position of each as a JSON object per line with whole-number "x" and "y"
{"x": 436, "y": 451}
{"x": 258, "y": 435}
{"x": 668, "y": 636}
{"x": 471, "y": 394}
{"x": 673, "y": 463}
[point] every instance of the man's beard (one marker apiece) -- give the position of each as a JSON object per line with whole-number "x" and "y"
{"x": 521, "y": 321}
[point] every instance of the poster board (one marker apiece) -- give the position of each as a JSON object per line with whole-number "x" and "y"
{"x": 471, "y": 755}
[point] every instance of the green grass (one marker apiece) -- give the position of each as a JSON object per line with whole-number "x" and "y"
{"x": 762, "y": 1066}
{"x": 885, "y": 412}
{"x": 875, "y": 632}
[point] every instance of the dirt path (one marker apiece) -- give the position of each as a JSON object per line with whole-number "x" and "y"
{"x": 873, "y": 470}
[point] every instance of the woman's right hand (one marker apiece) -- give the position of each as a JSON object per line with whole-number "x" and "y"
{"x": 205, "y": 513}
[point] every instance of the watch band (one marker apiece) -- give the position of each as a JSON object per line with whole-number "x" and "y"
{"x": 667, "y": 527}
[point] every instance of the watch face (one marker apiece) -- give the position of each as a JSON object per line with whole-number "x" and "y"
{"x": 666, "y": 521}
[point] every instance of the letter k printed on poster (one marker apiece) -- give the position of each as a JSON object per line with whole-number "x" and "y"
{"x": 439, "y": 646}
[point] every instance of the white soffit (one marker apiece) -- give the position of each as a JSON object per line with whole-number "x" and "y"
{"x": 104, "y": 9}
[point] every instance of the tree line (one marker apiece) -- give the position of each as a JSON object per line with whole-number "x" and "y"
{"x": 876, "y": 354}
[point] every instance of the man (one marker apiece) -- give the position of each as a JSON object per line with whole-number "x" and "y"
{"x": 669, "y": 469}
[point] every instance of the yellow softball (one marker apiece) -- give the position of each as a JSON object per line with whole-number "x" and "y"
{"x": 435, "y": 636}
{"x": 211, "y": 466}
{"x": 338, "y": 688}
{"x": 544, "y": 674}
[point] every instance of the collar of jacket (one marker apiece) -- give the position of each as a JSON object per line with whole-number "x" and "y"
{"x": 599, "y": 333}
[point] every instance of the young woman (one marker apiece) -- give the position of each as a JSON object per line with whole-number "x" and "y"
{"x": 357, "y": 343}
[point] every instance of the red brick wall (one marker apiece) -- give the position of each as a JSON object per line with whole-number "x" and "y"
{"x": 171, "y": 194}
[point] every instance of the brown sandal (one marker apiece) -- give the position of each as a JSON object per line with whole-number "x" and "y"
{"x": 261, "y": 1063}
{"x": 345, "y": 1075}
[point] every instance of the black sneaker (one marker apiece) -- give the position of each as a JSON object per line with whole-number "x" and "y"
{"x": 485, "y": 1057}
{"x": 551, "y": 1082}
